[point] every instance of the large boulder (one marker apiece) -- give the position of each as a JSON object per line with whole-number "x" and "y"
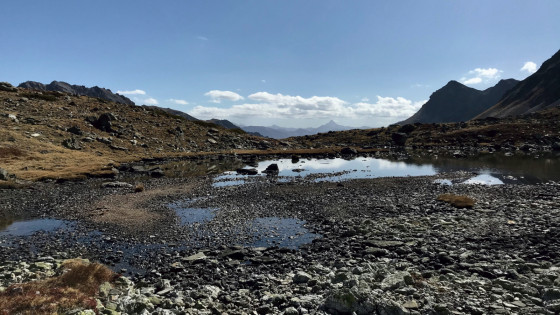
{"x": 399, "y": 138}
{"x": 103, "y": 123}
{"x": 348, "y": 151}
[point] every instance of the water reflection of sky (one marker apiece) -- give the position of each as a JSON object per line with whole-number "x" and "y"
{"x": 28, "y": 227}
{"x": 484, "y": 179}
{"x": 357, "y": 168}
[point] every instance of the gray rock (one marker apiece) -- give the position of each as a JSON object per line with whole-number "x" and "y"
{"x": 72, "y": 144}
{"x": 104, "y": 122}
{"x": 395, "y": 280}
{"x": 116, "y": 185}
{"x": 196, "y": 257}
{"x": 4, "y": 175}
{"x": 13, "y": 118}
{"x": 301, "y": 277}
{"x": 346, "y": 301}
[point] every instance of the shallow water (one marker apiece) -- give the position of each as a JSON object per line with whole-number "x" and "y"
{"x": 332, "y": 170}
{"x": 264, "y": 232}
{"x": 516, "y": 169}
{"x": 281, "y": 232}
{"x": 28, "y": 227}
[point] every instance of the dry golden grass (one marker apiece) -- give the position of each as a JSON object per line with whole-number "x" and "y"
{"x": 77, "y": 286}
{"x": 457, "y": 201}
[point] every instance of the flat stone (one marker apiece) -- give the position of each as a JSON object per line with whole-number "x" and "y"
{"x": 116, "y": 185}
{"x": 411, "y": 305}
{"x": 196, "y": 257}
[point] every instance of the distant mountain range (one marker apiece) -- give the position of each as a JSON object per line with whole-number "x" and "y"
{"x": 457, "y": 102}
{"x": 538, "y": 91}
{"x": 95, "y": 91}
{"x": 278, "y": 132}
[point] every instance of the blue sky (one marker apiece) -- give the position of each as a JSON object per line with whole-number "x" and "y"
{"x": 293, "y": 63}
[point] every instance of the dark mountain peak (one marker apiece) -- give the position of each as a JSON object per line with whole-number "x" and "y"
{"x": 538, "y": 91}
{"x": 61, "y": 86}
{"x": 454, "y": 83}
{"x": 456, "y": 102}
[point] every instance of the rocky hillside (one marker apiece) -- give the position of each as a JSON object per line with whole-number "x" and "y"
{"x": 54, "y": 134}
{"x": 64, "y": 87}
{"x": 456, "y": 102}
{"x": 538, "y": 91}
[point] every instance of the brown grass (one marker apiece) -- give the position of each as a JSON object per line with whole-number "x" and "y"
{"x": 10, "y": 185}
{"x": 9, "y": 152}
{"x": 75, "y": 287}
{"x": 457, "y": 201}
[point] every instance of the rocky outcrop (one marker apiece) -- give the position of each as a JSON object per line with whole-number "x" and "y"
{"x": 60, "y": 86}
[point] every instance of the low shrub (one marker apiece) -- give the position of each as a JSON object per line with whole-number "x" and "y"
{"x": 457, "y": 201}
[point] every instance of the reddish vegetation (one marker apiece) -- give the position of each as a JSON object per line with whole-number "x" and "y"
{"x": 75, "y": 287}
{"x": 457, "y": 201}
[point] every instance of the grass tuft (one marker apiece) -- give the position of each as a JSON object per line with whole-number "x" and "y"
{"x": 76, "y": 286}
{"x": 457, "y": 201}
{"x": 139, "y": 188}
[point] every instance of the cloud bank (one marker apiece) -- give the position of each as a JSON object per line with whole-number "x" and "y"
{"x": 280, "y": 106}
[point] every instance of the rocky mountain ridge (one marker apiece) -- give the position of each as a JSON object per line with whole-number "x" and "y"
{"x": 73, "y": 89}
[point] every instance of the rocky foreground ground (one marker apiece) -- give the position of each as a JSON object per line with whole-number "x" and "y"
{"x": 386, "y": 246}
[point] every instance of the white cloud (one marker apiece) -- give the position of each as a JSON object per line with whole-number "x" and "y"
{"x": 178, "y": 102}
{"x": 279, "y": 106}
{"x": 482, "y": 75}
{"x": 217, "y": 96}
{"x": 474, "y": 80}
{"x": 133, "y": 92}
{"x": 530, "y": 67}
{"x": 150, "y": 101}
{"x": 398, "y": 107}
{"x": 202, "y": 38}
